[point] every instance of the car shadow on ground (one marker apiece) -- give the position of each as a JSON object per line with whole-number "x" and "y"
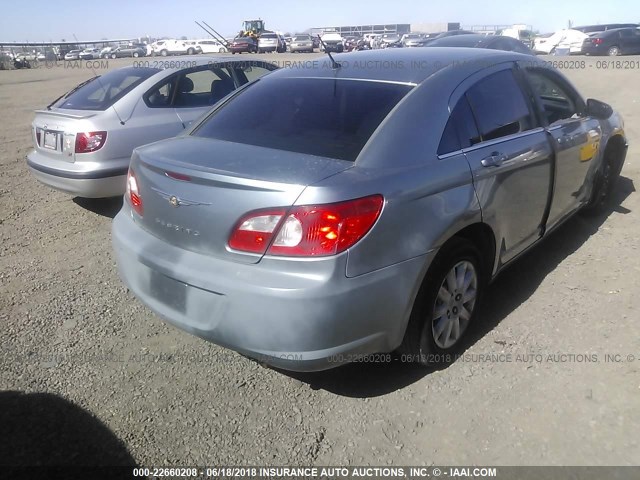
{"x": 107, "y": 207}
{"x": 45, "y": 430}
{"x": 510, "y": 289}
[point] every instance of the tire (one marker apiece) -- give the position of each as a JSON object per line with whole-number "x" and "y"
{"x": 437, "y": 324}
{"x": 190, "y": 51}
{"x": 136, "y": 54}
{"x": 164, "y": 53}
{"x": 604, "y": 184}
{"x": 614, "y": 51}
{"x": 113, "y": 55}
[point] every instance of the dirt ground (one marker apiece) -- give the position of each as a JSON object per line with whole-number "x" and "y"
{"x": 535, "y": 386}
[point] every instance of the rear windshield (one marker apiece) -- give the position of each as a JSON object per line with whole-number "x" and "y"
{"x": 324, "y": 117}
{"x": 104, "y": 91}
{"x": 301, "y": 39}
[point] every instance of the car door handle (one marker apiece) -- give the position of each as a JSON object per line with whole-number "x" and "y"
{"x": 494, "y": 160}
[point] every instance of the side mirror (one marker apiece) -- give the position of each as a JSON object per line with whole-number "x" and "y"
{"x": 598, "y": 109}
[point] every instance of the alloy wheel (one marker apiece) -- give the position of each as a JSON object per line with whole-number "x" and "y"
{"x": 454, "y": 304}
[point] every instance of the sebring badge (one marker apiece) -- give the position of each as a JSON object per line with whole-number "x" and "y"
{"x": 177, "y": 201}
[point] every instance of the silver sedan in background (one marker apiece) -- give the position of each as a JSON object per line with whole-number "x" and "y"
{"x": 326, "y": 213}
{"x": 84, "y": 139}
{"x": 301, "y": 43}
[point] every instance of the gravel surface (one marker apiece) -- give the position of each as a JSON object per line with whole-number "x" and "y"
{"x": 533, "y": 388}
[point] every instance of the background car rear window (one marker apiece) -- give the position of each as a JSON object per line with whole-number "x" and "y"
{"x": 324, "y": 117}
{"x": 104, "y": 91}
{"x": 499, "y": 106}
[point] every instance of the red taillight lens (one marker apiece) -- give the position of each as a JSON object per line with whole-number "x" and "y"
{"x": 314, "y": 230}
{"x": 133, "y": 193}
{"x": 597, "y": 41}
{"x": 88, "y": 142}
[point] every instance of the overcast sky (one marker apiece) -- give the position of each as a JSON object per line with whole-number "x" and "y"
{"x": 53, "y": 20}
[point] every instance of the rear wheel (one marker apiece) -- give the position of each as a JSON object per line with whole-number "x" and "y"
{"x": 190, "y": 51}
{"x": 613, "y": 51}
{"x": 113, "y": 55}
{"x": 164, "y": 53}
{"x": 445, "y": 305}
{"x": 136, "y": 54}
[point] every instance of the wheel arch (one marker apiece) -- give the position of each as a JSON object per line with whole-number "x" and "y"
{"x": 616, "y": 147}
{"x": 482, "y": 236}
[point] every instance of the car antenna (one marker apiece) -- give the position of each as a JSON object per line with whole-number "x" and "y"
{"x": 97, "y": 77}
{"x": 335, "y": 65}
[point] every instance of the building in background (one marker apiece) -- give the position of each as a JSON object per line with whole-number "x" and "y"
{"x": 494, "y": 29}
{"x": 435, "y": 27}
{"x": 360, "y": 30}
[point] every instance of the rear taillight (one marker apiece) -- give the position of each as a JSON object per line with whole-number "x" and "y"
{"x": 88, "y": 142}
{"x": 38, "y": 136}
{"x": 306, "y": 231}
{"x": 596, "y": 41}
{"x": 133, "y": 193}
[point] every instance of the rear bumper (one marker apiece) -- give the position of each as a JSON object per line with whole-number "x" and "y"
{"x": 594, "y": 50}
{"x": 83, "y": 179}
{"x": 296, "y": 315}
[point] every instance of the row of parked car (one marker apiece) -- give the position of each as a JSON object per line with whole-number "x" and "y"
{"x": 161, "y": 47}
{"x": 306, "y": 218}
{"x": 606, "y": 39}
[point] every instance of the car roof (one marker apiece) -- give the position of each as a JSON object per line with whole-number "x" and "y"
{"x": 614, "y": 30}
{"x": 410, "y": 65}
{"x": 464, "y": 40}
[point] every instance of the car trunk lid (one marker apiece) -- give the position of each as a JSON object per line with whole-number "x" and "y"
{"x": 194, "y": 190}
{"x": 54, "y": 131}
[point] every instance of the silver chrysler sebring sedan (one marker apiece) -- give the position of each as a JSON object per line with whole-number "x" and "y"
{"x": 84, "y": 139}
{"x": 321, "y": 214}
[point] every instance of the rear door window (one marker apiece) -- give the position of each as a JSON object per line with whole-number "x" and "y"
{"x": 161, "y": 95}
{"x": 203, "y": 87}
{"x": 324, "y": 117}
{"x": 248, "y": 73}
{"x": 499, "y": 106}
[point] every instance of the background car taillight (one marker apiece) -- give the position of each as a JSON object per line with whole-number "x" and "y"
{"x": 87, "y": 142}
{"x": 313, "y": 230}
{"x": 133, "y": 194}
{"x": 596, "y": 41}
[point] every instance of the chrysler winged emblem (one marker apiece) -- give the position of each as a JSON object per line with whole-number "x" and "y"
{"x": 176, "y": 201}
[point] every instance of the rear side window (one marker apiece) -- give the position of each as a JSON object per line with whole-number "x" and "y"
{"x": 104, "y": 91}
{"x": 499, "y": 106}
{"x": 324, "y": 117}
{"x": 461, "y": 131}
